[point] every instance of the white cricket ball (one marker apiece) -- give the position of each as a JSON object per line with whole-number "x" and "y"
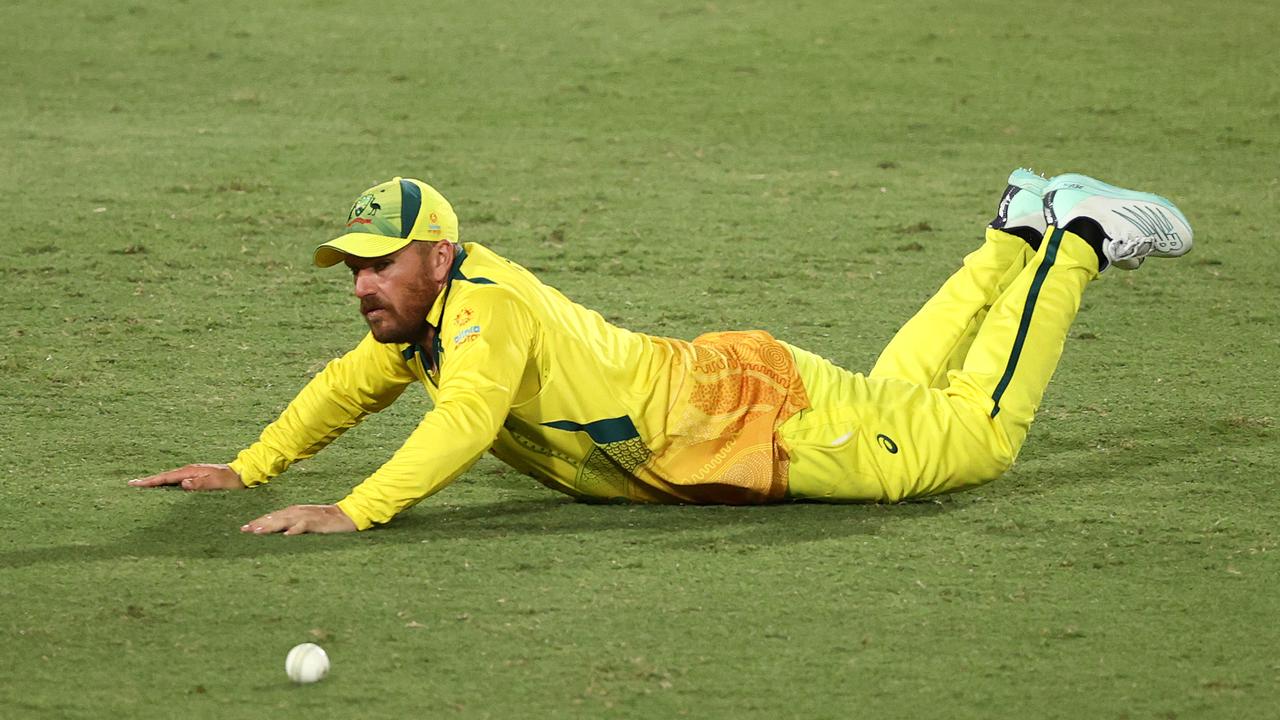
{"x": 306, "y": 663}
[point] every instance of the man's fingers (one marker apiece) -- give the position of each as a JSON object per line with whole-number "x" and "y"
{"x": 197, "y": 476}
{"x": 151, "y": 481}
{"x": 300, "y": 519}
{"x": 269, "y": 523}
{"x": 171, "y": 477}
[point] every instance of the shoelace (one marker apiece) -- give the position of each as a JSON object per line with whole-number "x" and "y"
{"x": 1129, "y": 247}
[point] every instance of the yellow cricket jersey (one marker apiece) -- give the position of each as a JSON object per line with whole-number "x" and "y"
{"x": 555, "y": 391}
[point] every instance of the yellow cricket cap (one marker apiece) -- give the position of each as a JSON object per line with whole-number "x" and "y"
{"x": 389, "y": 216}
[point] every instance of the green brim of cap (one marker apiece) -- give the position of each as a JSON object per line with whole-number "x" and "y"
{"x": 365, "y": 245}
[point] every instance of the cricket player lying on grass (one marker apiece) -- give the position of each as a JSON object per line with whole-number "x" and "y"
{"x": 602, "y": 413}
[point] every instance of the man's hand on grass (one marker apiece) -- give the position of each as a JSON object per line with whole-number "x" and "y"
{"x": 200, "y": 476}
{"x": 299, "y": 519}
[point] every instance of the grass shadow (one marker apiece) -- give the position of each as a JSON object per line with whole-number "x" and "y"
{"x": 207, "y": 527}
{"x": 672, "y": 526}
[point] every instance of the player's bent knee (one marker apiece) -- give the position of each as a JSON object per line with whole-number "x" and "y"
{"x": 979, "y": 464}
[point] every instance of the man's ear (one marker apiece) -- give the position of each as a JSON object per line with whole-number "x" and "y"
{"x": 441, "y": 260}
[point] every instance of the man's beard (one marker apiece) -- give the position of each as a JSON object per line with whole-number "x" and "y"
{"x": 389, "y": 332}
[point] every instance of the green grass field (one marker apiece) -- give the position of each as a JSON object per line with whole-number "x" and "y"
{"x": 815, "y": 169}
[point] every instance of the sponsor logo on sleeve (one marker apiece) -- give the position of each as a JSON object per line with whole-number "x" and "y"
{"x": 468, "y": 328}
{"x": 466, "y": 335}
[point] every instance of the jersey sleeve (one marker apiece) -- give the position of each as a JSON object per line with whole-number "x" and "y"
{"x": 363, "y": 381}
{"x": 487, "y": 339}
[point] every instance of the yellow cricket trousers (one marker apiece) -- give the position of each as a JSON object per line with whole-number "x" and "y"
{"x": 949, "y": 402}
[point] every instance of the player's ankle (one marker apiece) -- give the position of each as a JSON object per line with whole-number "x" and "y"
{"x": 1030, "y": 236}
{"x": 1091, "y": 232}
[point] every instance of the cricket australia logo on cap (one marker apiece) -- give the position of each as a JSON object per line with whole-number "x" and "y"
{"x": 363, "y": 211}
{"x": 376, "y": 212}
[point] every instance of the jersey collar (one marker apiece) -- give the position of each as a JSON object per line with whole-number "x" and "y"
{"x": 455, "y": 273}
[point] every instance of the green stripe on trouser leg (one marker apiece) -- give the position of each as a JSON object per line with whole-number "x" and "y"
{"x": 942, "y": 439}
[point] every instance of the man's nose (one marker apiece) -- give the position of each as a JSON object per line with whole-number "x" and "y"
{"x": 364, "y": 285}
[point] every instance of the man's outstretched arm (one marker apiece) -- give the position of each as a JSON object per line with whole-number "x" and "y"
{"x": 363, "y": 381}
{"x": 479, "y": 379}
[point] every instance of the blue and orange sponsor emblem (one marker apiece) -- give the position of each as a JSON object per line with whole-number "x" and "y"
{"x": 466, "y": 335}
{"x": 470, "y": 329}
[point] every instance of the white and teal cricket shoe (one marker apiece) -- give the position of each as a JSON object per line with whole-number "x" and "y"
{"x": 1134, "y": 225}
{"x": 1021, "y": 208}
